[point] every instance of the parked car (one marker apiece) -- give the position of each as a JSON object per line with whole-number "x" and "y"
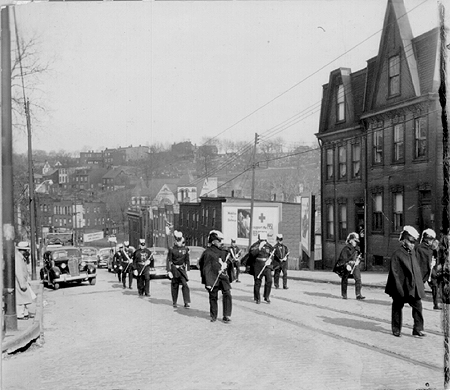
{"x": 159, "y": 263}
{"x": 195, "y": 252}
{"x": 89, "y": 255}
{"x": 103, "y": 255}
{"x": 65, "y": 265}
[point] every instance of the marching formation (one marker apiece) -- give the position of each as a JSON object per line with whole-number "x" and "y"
{"x": 412, "y": 265}
{"x": 219, "y": 268}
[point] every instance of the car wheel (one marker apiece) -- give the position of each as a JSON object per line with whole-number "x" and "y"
{"x": 93, "y": 281}
{"x": 56, "y": 286}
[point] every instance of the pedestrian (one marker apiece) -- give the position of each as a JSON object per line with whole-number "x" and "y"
{"x": 117, "y": 262}
{"x": 424, "y": 254}
{"x": 362, "y": 240}
{"x": 235, "y": 254}
{"x": 126, "y": 265}
{"x": 178, "y": 267}
{"x": 404, "y": 283}
{"x": 348, "y": 266}
{"x": 214, "y": 267}
{"x": 280, "y": 262}
{"x": 142, "y": 262}
{"x": 260, "y": 263}
{"x": 24, "y": 293}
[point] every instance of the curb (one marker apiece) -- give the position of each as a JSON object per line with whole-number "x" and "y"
{"x": 33, "y": 332}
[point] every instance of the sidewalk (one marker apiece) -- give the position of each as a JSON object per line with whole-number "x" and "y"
{"x": 27, "y": 330}
{"x": 369, "y": 278}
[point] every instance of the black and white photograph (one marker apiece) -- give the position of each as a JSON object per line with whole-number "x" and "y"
{"x": 164, "y": 162}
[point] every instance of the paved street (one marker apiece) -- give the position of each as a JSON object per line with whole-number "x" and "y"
{"x": 104, "y": 337}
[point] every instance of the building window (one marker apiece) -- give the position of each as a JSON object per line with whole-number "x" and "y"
{"x": 356, "y": 161}
{"x": 394, "y": 75}
{"x": 342, "y": 221}
{"x": 378, "y": 146}
{"x": 330, "y": 222}
{"x": 214, "y": 218}
{"x": 420, "y": 138}
{"x": 377, "y": 217}
{"x": 340, "y": 103}
{"x": 342, "y": 162}
{"x": 397, "y": 211}
{"x": 330, "y": 165}
{"x": 399, "y": 143}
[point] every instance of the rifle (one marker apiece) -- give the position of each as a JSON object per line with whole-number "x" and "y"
{"x": 265, "y": 265}
{"x": 285, "y": 257}
{"x": 129, "y": 260}
{"x": 145, "y": 265}
{"x": 357, "y": 261}
{"x": 221, "y": 270}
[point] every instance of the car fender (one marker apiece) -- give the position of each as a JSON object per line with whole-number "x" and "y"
{"x": 91, "y": 269}
{"x": 55, "y": 273}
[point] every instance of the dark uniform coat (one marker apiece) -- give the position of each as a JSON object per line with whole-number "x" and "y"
{"x": 404, "y": 278}
{"x": 210, "y": 267}
{"x": 280, "y": 253}
{"x": 139, "y": 258}
{"x": 178, "y": 261}
{"x": 257, "y": 257}
{"x": 348, "y": 254}
{"x": 424, "y": 252}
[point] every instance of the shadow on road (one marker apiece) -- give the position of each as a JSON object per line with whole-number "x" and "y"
{"x": 189, "y": 312}
{"x": 356, "y": 324}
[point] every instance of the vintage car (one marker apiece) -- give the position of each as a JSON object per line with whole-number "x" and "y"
{"x": 103, "y": 256}
{"x": 89, "y": 255}
{"x": 159, "y": 263}
{"x": 65, "y": 265}
{"x": 195, "y": 253}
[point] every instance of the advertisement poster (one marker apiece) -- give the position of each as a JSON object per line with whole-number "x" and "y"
{"x": 236, "y": 222}
{"x": 305, "y": 224}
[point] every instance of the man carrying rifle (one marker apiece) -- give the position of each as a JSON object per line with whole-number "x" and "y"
{"x": 178, "y": 268}
{"x": 129, "y": 251}
{"x": 214, "y": 267}
{"x": 117, "y": 262}
{"x": 280, "y": 262}
{"x": 347, "y": 265}
{"x": 234, "y": 255}
{"x": 142, "y": 263}
{"x": 126, "y": 266}
{"x": 260, "y": 259}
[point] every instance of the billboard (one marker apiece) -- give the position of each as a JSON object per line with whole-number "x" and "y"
{"x": 236, "y": 220}
{"x": 305, "y": 225}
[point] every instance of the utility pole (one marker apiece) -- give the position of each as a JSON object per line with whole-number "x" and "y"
{"x": 252, "y": 201}
{"x": 446, "y": 195}
{"x": 7, "y": 175}
{"x": 31, "y": 204}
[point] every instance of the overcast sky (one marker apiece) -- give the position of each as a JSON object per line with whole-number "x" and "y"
{"x": 139, "y": 73}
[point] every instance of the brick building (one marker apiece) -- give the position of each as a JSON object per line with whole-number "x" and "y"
{"x": 381, "y": 148}
{"x": 196, "y": 220}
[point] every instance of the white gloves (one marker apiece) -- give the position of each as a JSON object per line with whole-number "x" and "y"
{"x": 147, "y": 262}
{"x": 135, "y": 273}
{"x": 268, "y": 261}
{"x": 170, "y": 274}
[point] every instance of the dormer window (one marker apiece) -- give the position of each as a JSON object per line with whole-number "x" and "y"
{"x": 394, "y": 75}
{"x": 340, "y": 103}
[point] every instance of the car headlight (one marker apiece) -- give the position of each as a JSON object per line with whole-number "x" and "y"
{"x": 83, "y": 264}
{"x": 63, "y": 265}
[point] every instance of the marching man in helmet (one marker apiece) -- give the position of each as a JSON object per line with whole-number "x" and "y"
{"x": 426, "y": 256}
{"x": 405, "y": 284}
{"x": 348, "y": 265}
{"x": 142, "y": 260}
{"x": 214, "y": 268}
{"x": 260, "y": 262}
{"x": 178, "y": 267}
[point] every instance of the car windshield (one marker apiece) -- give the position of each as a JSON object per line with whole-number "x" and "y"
{"x": 88, "y": 251}
{"x": 65, "y": 253}
{"x": 103, "y": 252}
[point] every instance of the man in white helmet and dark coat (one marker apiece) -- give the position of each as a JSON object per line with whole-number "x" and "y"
{"x": 405, "y": 284}
{"x": 426, "y": 256}
{"x": 178, "y": 267}
{"x": 215, "y": 266}
{"x": 348, "y": 265}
